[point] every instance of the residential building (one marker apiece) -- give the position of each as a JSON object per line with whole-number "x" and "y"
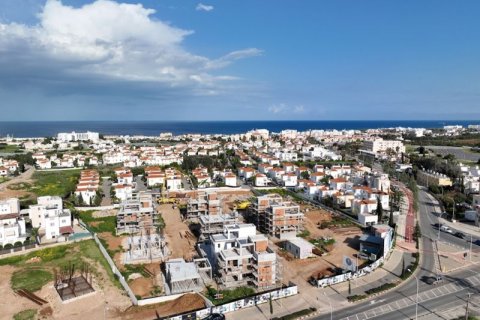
{"x": 12, "y": 225}
{"x": 432, "y": 178}
{"x": 50, "y": 217}
{"x": 379, "y": 145}
{"x": 241, "y": 257}
{"x": 137, "y": 214}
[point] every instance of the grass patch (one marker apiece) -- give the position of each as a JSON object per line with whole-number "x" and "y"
{"x": 30, "y": 279}
{"x": 134, "y": 268}
{"x": 8, "y": 148}
{"x": 20, "y": 186}
{"x": 97, "y": 225}
{"x": 29, "y": 314}
{"x": 3, "y": 179}
{"x": 62, "y": 256}
{"x": 229, "y": 295}
{"x": 55, "y": 183}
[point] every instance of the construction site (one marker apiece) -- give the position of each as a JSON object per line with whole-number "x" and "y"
{"x": 71, "y": 282}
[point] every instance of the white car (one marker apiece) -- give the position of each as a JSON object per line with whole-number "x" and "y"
{"x": 446, "y": 229}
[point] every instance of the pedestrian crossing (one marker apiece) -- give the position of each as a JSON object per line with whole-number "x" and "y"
{"x": 447, "y": 289}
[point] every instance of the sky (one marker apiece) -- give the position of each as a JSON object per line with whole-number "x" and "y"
{"x": 239, "y": 60}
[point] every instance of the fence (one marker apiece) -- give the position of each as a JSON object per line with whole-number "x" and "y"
{"x": 240, "y": 304}
{"x": 115, "y": 270}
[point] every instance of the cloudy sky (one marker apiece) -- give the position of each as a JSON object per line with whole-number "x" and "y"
{"x": 239, "y": 60}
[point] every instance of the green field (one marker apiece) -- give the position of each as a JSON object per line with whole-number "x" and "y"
{"x": 35, "y": 274}
{"x": 8, "y": 148}
{"x": 55, "y": 183}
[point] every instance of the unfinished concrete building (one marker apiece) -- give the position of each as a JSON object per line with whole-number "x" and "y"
{"x": 284, "y": 220}
{"x": 278, "y": 218}
{"x": 137, "y": 215}
{"x": 241, "y": 257}
{"x": 203, "y": 203}
{"x": 215, "y": 224}
{"x": 182, "y": 276}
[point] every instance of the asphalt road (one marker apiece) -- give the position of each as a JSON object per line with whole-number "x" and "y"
{"x": 400, "y": 303}
{"x": 459, "y": 152}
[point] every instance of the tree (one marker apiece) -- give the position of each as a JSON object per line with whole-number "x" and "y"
{"x": 379, "y": 209}
{"x": 391, "y": 223}
{"x": 305, "y": 175}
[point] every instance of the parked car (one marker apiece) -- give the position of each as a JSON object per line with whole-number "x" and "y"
{"x": 459, "y": 234}
{"x": 215, "y": 316}
{"x": 437, "y": 225}
{"x": 437, "y": 280}
{"x": 446, "y": 229}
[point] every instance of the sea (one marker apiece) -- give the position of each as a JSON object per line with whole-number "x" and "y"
{"x": 24, "y": 129}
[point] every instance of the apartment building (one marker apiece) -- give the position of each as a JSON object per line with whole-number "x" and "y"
{"x": 12, "y": 225}
{"x": 78, "y": 136}
{"x": 203, "y": 203}
{"x": 284, "y": 220}
{"x": 431, "y": 178}
{"x": 137, "y": 214}
{"x": 381, "y": 146}
{"x": 241, "y": 257}
{"x": 50, "y": 217}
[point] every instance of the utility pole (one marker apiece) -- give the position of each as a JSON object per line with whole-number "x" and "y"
{"x": 466, "y": 310}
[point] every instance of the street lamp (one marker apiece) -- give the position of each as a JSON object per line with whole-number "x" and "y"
{"x": 416, "y": 299}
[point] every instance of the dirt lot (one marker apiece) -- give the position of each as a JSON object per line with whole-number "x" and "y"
{"x": 91, "y": 306}
{"x": 6, "y": 192}
{"x": 180, "y": 241}
{"x": 185, "y": 303}
{"x": 346, "y": 244}
{"x": 114, "y": 243}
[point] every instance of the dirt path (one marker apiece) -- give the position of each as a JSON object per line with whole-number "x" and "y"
{"x": 179, "y": 239}
{"x": 24, "y": 177}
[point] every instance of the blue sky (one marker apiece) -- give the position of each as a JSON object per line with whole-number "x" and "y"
{"x": 239, "y": 60}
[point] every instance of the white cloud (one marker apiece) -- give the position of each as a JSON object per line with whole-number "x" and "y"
{"x": 204, "y": 7}
{"x": 277, "y": 108}
{"x": 106, "y": 40}
{"x": 283, "y": 108}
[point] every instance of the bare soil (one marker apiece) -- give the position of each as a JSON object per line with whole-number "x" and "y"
{"x": 107, "y": 299}
{"x": 180, "y": 241}
{"x": 184, "y": 304}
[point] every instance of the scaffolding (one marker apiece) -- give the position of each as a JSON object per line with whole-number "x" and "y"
{"x": 71, "y": 282}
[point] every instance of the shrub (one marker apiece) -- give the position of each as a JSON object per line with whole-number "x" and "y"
{"x": 18, "y": 244}
{"x": 8, "y": 246}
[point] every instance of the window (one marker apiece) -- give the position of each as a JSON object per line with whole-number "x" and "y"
{"x": 52, "y": 224}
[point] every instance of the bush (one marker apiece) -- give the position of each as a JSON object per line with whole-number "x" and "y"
{"x": 8, "y": 246}
{"x": 356, "y": 297}
{"x": 18, "y": 244}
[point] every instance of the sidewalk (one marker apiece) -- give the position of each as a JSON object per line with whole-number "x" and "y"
{"x": 460, "y": 226}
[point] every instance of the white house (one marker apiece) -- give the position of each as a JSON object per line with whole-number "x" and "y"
{"x": 230, "y": 180}
{"x": 261, "y": 180}
{"x": 12, "y": 226}
{"x": 50, "y": 217}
